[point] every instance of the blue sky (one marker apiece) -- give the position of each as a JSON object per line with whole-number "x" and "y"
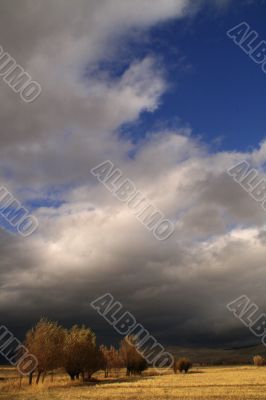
{"x": 213, "y": 85}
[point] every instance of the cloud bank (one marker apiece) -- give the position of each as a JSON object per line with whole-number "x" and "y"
{"x": 90, "y": 243}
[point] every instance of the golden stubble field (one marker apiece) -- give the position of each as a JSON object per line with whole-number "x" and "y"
{"x": 201, "y": 383}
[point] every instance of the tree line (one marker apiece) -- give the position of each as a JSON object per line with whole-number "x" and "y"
{"x": 76, "y": 351}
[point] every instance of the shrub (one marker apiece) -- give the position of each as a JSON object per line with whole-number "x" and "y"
{"x": 182, "y": 365}
{"x": 258, "y": 361}
{"x": 133, "y": 360}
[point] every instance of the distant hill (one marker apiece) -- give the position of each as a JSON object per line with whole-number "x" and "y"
{"x": 217, "y": 356}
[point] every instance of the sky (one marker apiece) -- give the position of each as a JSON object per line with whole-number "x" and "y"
{"x": 160, "y": 90}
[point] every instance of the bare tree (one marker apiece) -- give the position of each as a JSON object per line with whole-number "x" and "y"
{"x": 112, "y": 359}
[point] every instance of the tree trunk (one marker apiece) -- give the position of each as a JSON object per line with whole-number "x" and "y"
{"x": 43, "y": 377}
{"x": 38, "y": 377}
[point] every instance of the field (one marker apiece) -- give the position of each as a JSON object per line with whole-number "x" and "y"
{"x": 208, "y": 383}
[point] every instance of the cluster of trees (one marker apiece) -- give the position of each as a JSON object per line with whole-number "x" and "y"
{"x": 77, "y": 352}
{"x": 126, "y": 356}
{"x": 113, "y": 359}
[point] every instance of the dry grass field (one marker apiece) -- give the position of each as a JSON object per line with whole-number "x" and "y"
{"x": 234, "y": 383}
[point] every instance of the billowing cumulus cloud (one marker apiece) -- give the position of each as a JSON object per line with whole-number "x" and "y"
{"x": 91, "y": 243}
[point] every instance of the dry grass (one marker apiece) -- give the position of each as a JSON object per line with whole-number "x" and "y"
{"x": 234, "y": 383}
